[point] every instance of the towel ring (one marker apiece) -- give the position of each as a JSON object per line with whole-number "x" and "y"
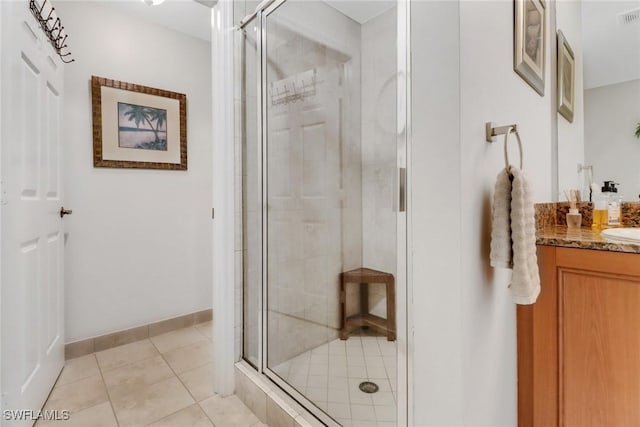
{"x": 506, "y": 140}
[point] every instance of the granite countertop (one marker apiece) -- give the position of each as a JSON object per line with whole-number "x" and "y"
{"x": 583, "y": 238}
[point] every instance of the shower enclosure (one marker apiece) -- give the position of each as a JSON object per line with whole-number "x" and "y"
{"x": 321, "y": 130}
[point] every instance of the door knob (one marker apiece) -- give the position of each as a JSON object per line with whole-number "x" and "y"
{"x": 64, "y": 212}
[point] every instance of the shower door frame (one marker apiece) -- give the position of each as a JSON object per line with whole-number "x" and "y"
{"x": 404, "y": 360}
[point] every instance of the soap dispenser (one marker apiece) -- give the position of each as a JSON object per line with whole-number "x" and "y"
{"x": 600, "y": 212}
{"x": 614, "y": 202}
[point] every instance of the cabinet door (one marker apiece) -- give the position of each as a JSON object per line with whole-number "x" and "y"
{"x": 579, "y": 345}
{"x": 599, "y": 348}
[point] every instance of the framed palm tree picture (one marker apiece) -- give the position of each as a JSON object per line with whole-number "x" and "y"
{"x": 138, "y": 127}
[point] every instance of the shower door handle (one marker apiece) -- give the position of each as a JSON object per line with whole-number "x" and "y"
{"x": 402, "y": 189}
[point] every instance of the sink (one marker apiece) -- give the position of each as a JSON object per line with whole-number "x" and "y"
{"x": 627, "y": 235}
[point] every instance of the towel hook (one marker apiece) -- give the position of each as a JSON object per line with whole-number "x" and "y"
{"x": 506, "y": 140}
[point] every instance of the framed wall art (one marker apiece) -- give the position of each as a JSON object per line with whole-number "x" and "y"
{"x": 137, "y": 126}
{"x": 529, "y": 42}
{"x": 566, "y": 77}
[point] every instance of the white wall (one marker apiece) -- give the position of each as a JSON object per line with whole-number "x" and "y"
{"x": 139, "y": 241}
{"x": 435, "y": 215}
{"x": 465, "y": 327}
{"x": 492, "y": 91}
{"x": 571, "y": 135}
{"x": 611, "y": 116}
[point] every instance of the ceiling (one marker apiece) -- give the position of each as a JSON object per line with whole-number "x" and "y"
{"x": 185, "y": 16}
{"x": 361, "y": 10}
{"x": 611, "y": 50}
{"x": 194, "y": 19}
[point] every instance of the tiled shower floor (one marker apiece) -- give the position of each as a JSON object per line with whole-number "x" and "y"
{"x": 329, "y": 376}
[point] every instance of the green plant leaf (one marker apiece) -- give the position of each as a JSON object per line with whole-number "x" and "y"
{"x": 638, "y": 131}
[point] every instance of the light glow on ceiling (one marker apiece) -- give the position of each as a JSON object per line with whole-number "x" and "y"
{"x": 152, "y": 2}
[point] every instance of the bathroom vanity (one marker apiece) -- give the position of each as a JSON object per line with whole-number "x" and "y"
{"x": 579, "y": 344}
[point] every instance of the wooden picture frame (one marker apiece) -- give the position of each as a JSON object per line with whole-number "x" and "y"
{"x": 529, "y": 45}
{"x": 566, "y": 75}
{"x": 137, "y": 126}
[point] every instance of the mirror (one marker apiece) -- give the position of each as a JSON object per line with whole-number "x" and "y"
{"x": 600, "y": 144}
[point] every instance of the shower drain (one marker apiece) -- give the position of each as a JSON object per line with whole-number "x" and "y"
{"x": 368, "y": 387}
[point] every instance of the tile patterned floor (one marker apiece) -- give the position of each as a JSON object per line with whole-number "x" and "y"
{"x": 163, "y": 381}
{"x": 329, "y": 376}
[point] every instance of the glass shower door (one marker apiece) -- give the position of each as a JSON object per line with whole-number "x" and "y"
{"x": 251, "y": 184}
{"x": 330, "y": 205}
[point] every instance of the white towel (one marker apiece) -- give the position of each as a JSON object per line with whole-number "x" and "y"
{"x": 501, "y": 255}
{"x": 515, "y": 244}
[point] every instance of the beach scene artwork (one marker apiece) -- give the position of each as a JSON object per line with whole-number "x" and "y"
{"x": 141, "y": 127}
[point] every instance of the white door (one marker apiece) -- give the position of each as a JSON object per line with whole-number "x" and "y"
{"x": 32, "y": 232}
{"x": 305, "y": 186}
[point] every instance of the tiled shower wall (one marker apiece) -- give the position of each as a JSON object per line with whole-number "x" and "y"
{"x": 379, "y": 65}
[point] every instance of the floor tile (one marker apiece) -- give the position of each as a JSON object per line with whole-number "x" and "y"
{"x": 228, "y": 412}
{"x": 298, "y": 381}
{"x": 340, "y": 410}
{"x": 335, "y": 360}
{"x": 176, "y": 339}
{"x": 346, "y": 364}
{"x": 374, "y": 361}
{"x": 355, "y": 361}
{"x": 363, "y": 413}
{"x": 199, "y": 382}
{"x": 317, "y": 381}
{"x": 100, "y": 415}
{"x": 136, "y": 376}
{"x": 353, "y": 342}
{"x": 383, "y": 398}
{"x": 384, "y": 385}
{"x": 78, "y": 395}
{"x": 388, "y": 350}
{"x": 117, "y": 357}
{"x": 360, "y": 397}
{"x": 385, "y": 413}
{"x": 338, "y": 383}
{"x": 77, "y": 369}
{"x": 376, "y": 372}
{"x": 338, "y": 396}
{"x": 192, "y": 416}
{"x": 205, "y": 329}
{"x": 316, "y": 394}
{"x": 151, "y": 403}
{"x": 192, "y": 356}
{"x": 322, "y": 359}
{"x": 318, "y": 369}
{"x": 357, "y": 372}
{"x": 338, "y": 371}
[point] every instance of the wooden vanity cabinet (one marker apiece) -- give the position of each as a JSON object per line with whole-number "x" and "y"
{"x": 579, "y": 344}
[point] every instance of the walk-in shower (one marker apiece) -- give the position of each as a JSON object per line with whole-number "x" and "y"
{"x": 321, "y": 130}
